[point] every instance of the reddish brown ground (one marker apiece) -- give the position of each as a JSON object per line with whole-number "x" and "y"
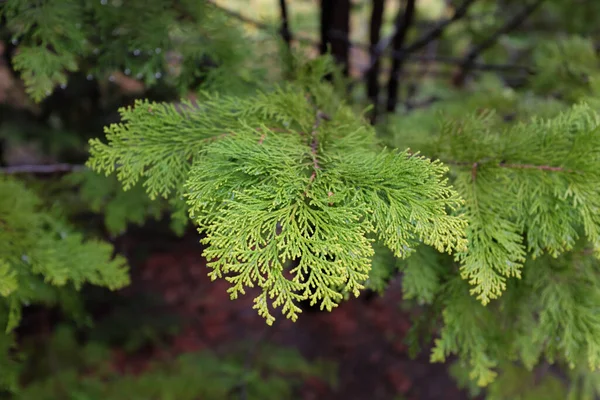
{"x": 365, "y": 339}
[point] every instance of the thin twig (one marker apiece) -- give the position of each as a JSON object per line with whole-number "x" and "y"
{"x": 240, "y": 16}
{"x": 428, "y": 37}
{"x": 511, "y": 24}
{"x": 474, "y": 171}
{"x": 41, "y": 169}
{"x": 404, "y": 21}
{"x": 438, "y": 30}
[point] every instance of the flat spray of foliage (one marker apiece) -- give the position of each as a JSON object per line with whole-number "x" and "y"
{"x": 286, "y": 176}
{"x": 531, "y": 185}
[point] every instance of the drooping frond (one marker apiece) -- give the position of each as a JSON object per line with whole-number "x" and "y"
{"x": 273, "y": 179}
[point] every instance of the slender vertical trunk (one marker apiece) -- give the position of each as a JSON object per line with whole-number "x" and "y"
{"x": 286, "y": 35}
{"x": 373, "y": 73}
{"x": 335, "y": 31}
{"x": 285, "y": 25}
{"x": 340, "y": 41}
{"x": 403, "y": 23}
{"x": 327, "y": 7}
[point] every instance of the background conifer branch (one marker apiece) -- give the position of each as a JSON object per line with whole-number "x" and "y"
{"x": 41, "y": 169}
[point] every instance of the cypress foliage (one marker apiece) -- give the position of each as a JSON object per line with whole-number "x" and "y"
{"x": 487, "y": 202}
{"x": 531, "y": 190}
{"x": 282, "y": 176}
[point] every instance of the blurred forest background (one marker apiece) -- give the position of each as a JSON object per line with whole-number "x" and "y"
{"x": 172, "y": 333}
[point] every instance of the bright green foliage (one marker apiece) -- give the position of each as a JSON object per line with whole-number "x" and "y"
{"x": 527, "y": 167}
{"x": 293, "y": 194}
{"x": 272, "y": 179}
{"x": 530, "y": 189}
{"x": 533, "y": 181}
{"x": 549, "y": 314}
{"x": 274, "y": 374}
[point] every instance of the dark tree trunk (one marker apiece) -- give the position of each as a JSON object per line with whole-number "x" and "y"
{"x": 335, "y": 31}
{"x": 403, "y": 23}
{"x": 285, "y": 26}
{"x": 373, "y": 73}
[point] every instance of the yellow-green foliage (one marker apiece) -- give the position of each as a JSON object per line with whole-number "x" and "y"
{"x": 285, "y": 175}
{"x": 530, "y": 189}
{"x": 531, "y": 185}
{"x": 293, "y": 193}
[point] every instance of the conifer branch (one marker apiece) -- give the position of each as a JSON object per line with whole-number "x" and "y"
{"x": 41, "y": 169}
{"x": 243, "y": 191}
